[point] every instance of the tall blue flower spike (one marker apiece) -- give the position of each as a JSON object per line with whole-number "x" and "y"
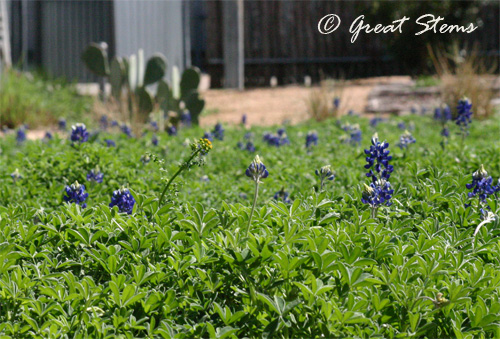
{"x": 95, "y": 175}
{"x": 311, "y": 139}
{"x": 481, "y": 185}
{"x": 218, "y": 131}
{"x": 257, "y": 170}
{"x": 124, "y": 200}
{"x": 464, "y": 115}
{"x": 406, "y": 139}
{"x": 76, "y": 194}
{"x": 79, "y": 133}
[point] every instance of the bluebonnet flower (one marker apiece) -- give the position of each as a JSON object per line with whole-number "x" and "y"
{"x": 402, "y": 125}
{"x": 218, "y": 131}
{"x": 48, "y": 136}
{"x": 464, "y": 114}
{"x": 76, "y": 194}
{"x": 171, "y": 130}
{"x": 114, "y": 123}
{"x": 110, "y": 143}
{"x": 406, "y": 139}
{"x": 336, "y": 102}
{"x": 249, "y": 146}
{"x": 437, "y": 113}
{"x": 16, "y": 175}
{"x": 355, "y": 134}
{"x": 413, "y": 110}
{"x": 154, "y": 140}
{"x": 186, "y": 118}
{"x": 278, "y": 139}
{"x": 79, "y": 133}
{"x": 95, "y": 175}
{"x": 283, "y": 196}
{"x": 446, "y": 113}
{"x": 378, "y": 158}
{"x": 103, "y": 122}
{"x": 205, "y": 178}
{"x": 208, "y": 136}
{"x": 325, "y": 173}
{"x": 154, "y": 125}
{"x": 379, "y": 191}
{"x": 351, "y": 113}
{"x": 126, "y": 130}
{"x": 257, "y": 170}
{"x": 423, "y": 110}
{"x": 244, "y": 119}
{"x": 20, "y": 135}
{"x": 248, "y": 136}
{"x": 375, "y": 121}
{"x": 311, "y": 139}
{"x": 445, "y": 132}
{"x": 481, "y": 185}
{"x": 62, "y": 124}
{"x": 124, "y": 200}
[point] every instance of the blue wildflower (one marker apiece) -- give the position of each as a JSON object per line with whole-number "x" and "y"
{"x": 336, "y": 102}
{"x": 76, "y": 194}
{"x": 249, "y": 146}
{"x": 79, "y": 133}
{"x": 154, "y": 140}
{"x": 402, "y": 125}
{"x": 378, "y": 158}
{"x": 464, "y": 114}
{"x": 445, "y": 132}
{"x": 171, "y": 130}
{"x": 218, "y": 131}
{"x": 103, "y": 122}
{"x": 481, "y": 185}
{"x": 325, "y": 173}
{"x": 114, "y": 123}
{"x": 205, "y": 178}
{"x": 248, "y": 136}
{"x": 95, "y": 175}
{"x": 48, "y": 136}
{"x": 278, "y": 139}
{"x": 379, "y": 191}
{"x": 257, "y": 170}
{"x": 283, "y": 196}
{"x": 154, "y": 125}
{"x": 110, "y": 143}
{"x": 375, "y": 121}
{"x": 186, "y": 118}
{"x": 244, "y": 119}
{"x": 413, "y": 110}
{"x": 446, "y": 113}
{"x": 145, "y": 159}
{"x": 126, "y": 130}
{"x": 62, "y": 124}
{"x": 20, "y": 135}
{"x": 311, "y": 139}
{"x": 208, "y": 136}
{"x": 124, "y": 200}
{"x": 406, "y": 139}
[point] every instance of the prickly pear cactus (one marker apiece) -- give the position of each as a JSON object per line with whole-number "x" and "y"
{"x": 155, "y": 69}
{"x": 95, "y": 58}
{"x": 189, "y": 93}
{"x": 117, "y": 77}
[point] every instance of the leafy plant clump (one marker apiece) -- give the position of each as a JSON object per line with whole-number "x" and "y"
{"x": 27, "y": 98}
{"x": 108, "y": 235}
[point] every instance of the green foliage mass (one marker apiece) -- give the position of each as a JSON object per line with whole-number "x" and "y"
{"x": 318, "y": 267}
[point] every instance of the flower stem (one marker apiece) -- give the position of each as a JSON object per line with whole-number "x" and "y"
{"x": 255, "y": 196}
{"x": 181, "y": 168}
{"x": 374, "y": 213}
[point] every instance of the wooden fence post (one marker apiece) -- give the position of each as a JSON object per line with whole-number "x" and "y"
{"x": 234, "y": 66}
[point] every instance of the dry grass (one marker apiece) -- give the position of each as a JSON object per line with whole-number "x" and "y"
{"x": 465, "y": 73}
{"x": 320, "y": 101}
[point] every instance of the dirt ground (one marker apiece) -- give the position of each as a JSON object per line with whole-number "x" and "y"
{"x": 271, "y": 106}
{"x": 267, "y": 106}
